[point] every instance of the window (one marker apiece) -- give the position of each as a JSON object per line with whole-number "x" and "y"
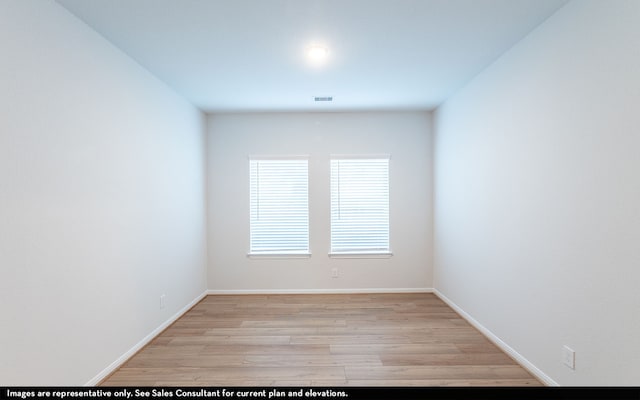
{"x": 279, "y": 206}
{"x": 360, "y": 205}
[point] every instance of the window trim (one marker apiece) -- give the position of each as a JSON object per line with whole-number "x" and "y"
{"x": 387, "y": 254}
{"x": 280, "y": 254}
{"x": 363, "y": 254}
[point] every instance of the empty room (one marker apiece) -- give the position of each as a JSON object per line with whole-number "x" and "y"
{"x": 320, "y": 193}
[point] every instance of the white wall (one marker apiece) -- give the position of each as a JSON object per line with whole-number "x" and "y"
{"x": 233, "y": 137}
{"x": 102, "y": 201}
{"x": 537, "y": 194}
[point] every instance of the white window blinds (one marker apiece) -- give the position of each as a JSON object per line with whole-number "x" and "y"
{"x": 360, "y": 205}
{"x": 279, "y": 206}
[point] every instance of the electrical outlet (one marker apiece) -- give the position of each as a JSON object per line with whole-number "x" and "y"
{"x": 334, "y": 272}
{"x": 163, "y": 301}
{"x": 568, "y": 357}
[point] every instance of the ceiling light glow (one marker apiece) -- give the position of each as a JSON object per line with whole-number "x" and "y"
{"x": 317, "y": 53}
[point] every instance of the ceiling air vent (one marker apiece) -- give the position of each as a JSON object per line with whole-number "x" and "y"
{"x": 323, "y": 98}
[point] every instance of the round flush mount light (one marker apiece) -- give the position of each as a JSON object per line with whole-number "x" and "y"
{"x": 317, "y": 54}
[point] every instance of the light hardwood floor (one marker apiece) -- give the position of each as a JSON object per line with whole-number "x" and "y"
{"x": 321, "y": 340}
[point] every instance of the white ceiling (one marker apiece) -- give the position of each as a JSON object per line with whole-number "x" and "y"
{"x": 249, "y": 55}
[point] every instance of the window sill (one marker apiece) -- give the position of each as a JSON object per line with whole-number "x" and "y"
{"x": 278, "y": 256}
{"x": 361, "y": 255}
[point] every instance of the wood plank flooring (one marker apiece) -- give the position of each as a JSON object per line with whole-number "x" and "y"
{"x": 321, "y": 340}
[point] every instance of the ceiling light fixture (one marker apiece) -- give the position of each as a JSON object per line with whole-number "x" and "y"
{"x": 317, "y": 53}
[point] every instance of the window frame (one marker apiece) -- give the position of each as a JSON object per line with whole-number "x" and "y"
{"x": 278, "y": 254}
{"x": 360, "y": 253}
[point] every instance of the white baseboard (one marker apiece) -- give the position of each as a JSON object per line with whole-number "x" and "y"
{"x": 123, "y": 358}
{"x": 320, "y": 291}
{"x": 526, "y": 364}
